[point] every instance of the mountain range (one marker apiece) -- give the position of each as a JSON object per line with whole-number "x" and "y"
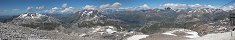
{"x": 121, "y": 24}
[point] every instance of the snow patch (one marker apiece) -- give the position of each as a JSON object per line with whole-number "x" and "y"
{"x": 38, "y": 39}
{"x": 216, "y": 36}
{"x": 110, "y": 31}
{"x": 104, "y": 29}
{"x": 137, "y": 37}
{"x": 193, "y": 34}
{"x": 81, "y": 35}
{"x": 93, "y": 18}
{"x": 169, "y": 33}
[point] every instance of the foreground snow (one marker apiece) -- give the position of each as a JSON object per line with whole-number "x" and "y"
{"x": 38, "y": 39}
{"x": 217, "y": 36}
{"x": 193, "y": 34}
{"x": 137, "y": 37}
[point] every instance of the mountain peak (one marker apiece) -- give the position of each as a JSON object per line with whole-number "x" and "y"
{"x": 88, "y": 13}
{"x": 31, "y": 15}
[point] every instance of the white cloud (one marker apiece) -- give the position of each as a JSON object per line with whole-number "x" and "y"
{"x": 115, "y": 5}
{"x": 39, "y": 7}
{"x": 50, "y": 11}
{"x": 145, "y": 6}
{"x": 29, "y": 8}
{"x": 227, "y": 7}
{"x": 180, "y": 6}
{"x": 69, "y": 9}
{"x": 89, "y": 7}
{"x": 15, "y": 9}
{"x": 105, "y": 6}
{"x": 183, "y": 6}
{"x": 64, "y": 5}
{"x": 55, "y": 8}
{"x": 64, "y": 9}
{"x": 196, "y": 6}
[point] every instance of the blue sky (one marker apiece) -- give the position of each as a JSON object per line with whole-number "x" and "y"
{"x": 48, "y": 4}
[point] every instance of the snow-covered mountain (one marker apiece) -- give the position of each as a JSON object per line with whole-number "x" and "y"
{"x": 89, "y": 15}
{"x": 31, "y": 16}
{"x": 90, "y": 18}
{"x": 34, "y": 17}
{"x": 36, "y": 20}
{"x": 92, "y": 23}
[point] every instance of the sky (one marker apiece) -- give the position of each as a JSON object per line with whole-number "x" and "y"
{"x": 19, "y": 6}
